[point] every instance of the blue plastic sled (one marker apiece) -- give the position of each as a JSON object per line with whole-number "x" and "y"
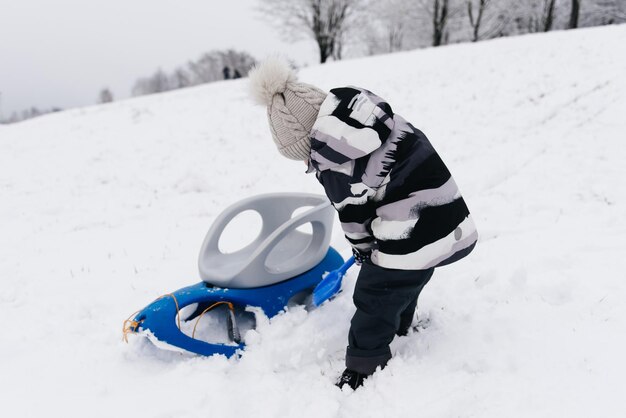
{"x": 159, "y": 318}
{"x": 281, "y": 262}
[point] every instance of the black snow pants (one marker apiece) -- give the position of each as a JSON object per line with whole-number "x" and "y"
{"x": 385, "y": 301}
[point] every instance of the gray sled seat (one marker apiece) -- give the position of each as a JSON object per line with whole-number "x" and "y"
{"x": 279, "y": 252}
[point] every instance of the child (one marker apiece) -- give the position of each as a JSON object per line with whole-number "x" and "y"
{"x": 399, "y": 207}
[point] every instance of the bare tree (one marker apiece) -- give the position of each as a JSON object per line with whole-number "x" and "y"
{"x": 206, "y": 69}
{"x": 396, "y": 21}
{"x": 156, "y": 83}
{"x": 440, "y": 20}
{"x": 340, "y": 44}
{"x": 476, "y": 21}
{"x": 105, "y": 96}
{"x": 487, "y": 18}
{"x": 325, "y": 21}
{"x": 435, "y": 18}
{"x": 574, "y": 14}
{"x": 547, "y": 18}
{"x": 180, "y": 78}
{"x": 388, "y": 28}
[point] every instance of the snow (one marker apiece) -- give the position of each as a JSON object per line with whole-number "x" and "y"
{"x": 104, "y": 208}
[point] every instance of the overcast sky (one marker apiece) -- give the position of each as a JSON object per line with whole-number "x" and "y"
{"x": 62, "y": 52}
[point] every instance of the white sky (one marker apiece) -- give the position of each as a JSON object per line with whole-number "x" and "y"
{"x": 62, "y": 52}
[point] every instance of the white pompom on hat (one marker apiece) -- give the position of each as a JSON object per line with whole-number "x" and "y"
{"x": 292, "y": 107}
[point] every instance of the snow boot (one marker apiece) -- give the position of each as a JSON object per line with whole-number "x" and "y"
{"x": 405, "y": 328}
{"x": 352, "y": 379}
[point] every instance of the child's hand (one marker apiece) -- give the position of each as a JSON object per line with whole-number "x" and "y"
{"x": 360, "y": 257}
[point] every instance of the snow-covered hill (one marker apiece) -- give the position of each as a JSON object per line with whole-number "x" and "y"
{"x": 102, "y": 209}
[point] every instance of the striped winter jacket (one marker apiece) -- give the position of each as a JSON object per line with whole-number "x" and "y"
{"x": 394, "y": 195}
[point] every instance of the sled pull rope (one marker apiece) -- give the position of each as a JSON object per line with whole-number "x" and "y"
{"x": 231, "y": 315}
{"x": 131, "y": 327}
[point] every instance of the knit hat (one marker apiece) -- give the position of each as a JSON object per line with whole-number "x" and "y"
{"x": 292, "y": 107}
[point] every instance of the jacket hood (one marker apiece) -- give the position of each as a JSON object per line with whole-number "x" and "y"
{"x": 352, "y": 123}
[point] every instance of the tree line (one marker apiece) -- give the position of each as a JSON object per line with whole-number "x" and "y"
{"x": 212, "y": 66}
{"x": 369, "y": 27}
{"x": 31, "y": 112}
{"x": 342, "y": 28}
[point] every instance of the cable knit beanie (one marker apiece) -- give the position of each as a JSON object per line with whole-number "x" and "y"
{"x": 292, "y": 107}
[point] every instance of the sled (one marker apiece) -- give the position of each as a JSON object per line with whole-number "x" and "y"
{"x": 279, "y": 264}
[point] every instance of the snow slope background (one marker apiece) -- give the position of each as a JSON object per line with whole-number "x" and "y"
{"x": 104, "y": 208}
